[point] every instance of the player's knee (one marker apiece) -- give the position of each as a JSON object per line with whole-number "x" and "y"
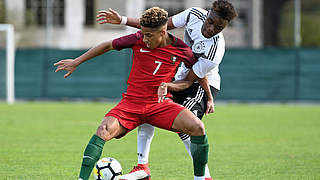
{"x": 102, "y": 132}
{"x": 199, "y": 129}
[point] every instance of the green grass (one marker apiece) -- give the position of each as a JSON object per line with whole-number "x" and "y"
{"x": 40, "y": 141}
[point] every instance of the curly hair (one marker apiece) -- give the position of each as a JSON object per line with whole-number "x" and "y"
{"x": 224, "y": 9}
{"x": 154, "y": 17}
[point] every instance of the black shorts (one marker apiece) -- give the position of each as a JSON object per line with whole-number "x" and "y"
{"x": 194, "y": 98}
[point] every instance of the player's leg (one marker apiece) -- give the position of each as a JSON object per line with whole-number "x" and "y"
{"x": 108, "y": 129}
{"x": 195, "y": 99}
{"x": 174, "y": 117}
{"x": 145, "y": 136}
{"x": 141, "y": 170}
{"x": 190, "y": 98}
{"x": 188, "y": 123}
{"x": 185, "y": 138}
{"x": 187, "y": 143}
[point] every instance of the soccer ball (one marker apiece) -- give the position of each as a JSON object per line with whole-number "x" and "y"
{"x": 107, "y": 169}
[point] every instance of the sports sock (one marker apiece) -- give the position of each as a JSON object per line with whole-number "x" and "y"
{"x": 199, "y": 150}
{"x": 186, "y": 141}
{"x": 199, "y": 178}
{"x": 91, "y": 155}
{"x": 145, "y": 135}
{"x": 207, "y": 172}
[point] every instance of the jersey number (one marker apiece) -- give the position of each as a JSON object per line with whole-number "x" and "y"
{"x": 158, "y": 66}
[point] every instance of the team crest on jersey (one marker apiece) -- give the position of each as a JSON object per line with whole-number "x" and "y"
{"x": 198, "y": 47}
{"x": 174, "y": 59}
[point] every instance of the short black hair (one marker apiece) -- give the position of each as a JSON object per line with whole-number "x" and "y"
{"x": 224, "y": 9}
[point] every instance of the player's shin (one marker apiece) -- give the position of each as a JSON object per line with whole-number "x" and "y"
{"x": 91, "y": 155}
{"x": 199, "y": 151}
{"x": 145, "y": 135}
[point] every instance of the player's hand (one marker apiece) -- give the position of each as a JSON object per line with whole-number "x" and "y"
{"x": 68, "y": 65}
{"x": 108, "y": 17}
{"x": 162, "y": 92}
{"x": 210, "y": 106}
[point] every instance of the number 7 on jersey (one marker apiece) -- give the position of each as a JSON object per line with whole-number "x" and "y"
{"x": 158, "y": 66}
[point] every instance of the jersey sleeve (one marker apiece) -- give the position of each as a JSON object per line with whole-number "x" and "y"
{"x": 205, "y": 65}
{"x": 190, "y": 58}
{"x": 180, "y": 19}
{"x": 126, "y": 41}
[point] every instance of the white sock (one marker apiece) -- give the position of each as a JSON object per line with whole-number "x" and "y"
{"x": 207, "y": 172}
{"x": 187, "y": 143}
{"x": 145, "y": 135}
{"x": 198, "y": 177}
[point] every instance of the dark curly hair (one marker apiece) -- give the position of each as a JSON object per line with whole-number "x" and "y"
{"x": 224, "y": 9}
{"x": 154, "y": 17}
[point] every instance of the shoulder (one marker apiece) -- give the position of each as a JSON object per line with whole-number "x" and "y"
{"x": 193, "y": 15}
{"x": 127, "y": 41}
{"x": 131, "y": 37}
{"x": 197, "y": 13}
{"x": 187, "y": 54}
{"x": 199, "y": 10}
{"x": 216, "y": 49}
{"x": 218, "y": 39}
{"x": 196, "y": 10}
{"x": 179, "y": 44}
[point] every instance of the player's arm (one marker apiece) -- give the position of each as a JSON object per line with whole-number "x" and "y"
{"x": 180, "y": 85}
{"x": 70, "y": 65}
{"x": 202, "y": 67}
{"x": 206, "y": 87}
{"x": 186, "y": 83}
{"x": 120, "y": 43}
{"x": 111, "y": 16}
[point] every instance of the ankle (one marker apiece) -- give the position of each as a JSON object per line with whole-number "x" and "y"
{"x": 143, "y": 165}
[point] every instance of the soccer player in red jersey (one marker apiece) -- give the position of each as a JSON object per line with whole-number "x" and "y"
{"x": 156, "y": 55}
{"x": 203, "y": 34}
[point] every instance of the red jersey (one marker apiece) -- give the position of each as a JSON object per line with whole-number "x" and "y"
{"x": 150, "y": 67}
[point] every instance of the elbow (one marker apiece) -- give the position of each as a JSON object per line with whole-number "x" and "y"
{"x": 185, "y": 85}
{"x": 107, "y": 46}
{"x": 188, "y": 84}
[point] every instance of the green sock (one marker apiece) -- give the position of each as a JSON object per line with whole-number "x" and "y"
{"x": 199, "y": 150}
{"x": 91, "y": 155}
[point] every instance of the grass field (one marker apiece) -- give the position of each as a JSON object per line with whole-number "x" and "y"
{"x": 40, "y": 141}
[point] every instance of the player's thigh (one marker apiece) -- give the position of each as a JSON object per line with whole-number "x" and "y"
{"x": 188, "y": 123}
{"x": 162, "y": 115}
{"x": 109, "y": 128}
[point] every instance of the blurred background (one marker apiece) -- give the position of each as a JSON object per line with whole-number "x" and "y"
{"x": 273, "y": 49}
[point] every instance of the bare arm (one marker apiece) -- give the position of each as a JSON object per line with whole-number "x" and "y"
{"x": 111, "y": 16}
{"x": 176, "y": 85}
{"x": 70, "y": 65}
{"x": 205, "y": 85}
{"x": 186, "y": 83}
{"x": 182, "y": 84}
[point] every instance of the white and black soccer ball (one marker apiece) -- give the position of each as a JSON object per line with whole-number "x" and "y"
{"x": 107, "y": 169}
